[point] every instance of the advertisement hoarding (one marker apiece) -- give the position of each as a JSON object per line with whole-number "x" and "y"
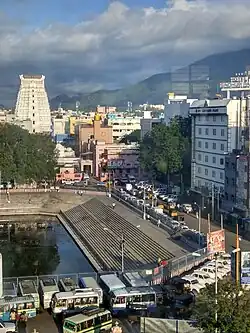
{"x": 245, "y": 268}
{"x": 216, "y": 241}
{"x": 115, "y": 164}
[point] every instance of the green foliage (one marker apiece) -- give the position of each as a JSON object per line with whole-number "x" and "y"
{"x": 162, "y": 149}
{"x": 233, "y": 309}
{"x": 135, "y": 136}
{"x": 24, "y": 156}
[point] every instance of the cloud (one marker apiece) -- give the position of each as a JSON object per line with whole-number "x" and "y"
{"x": 121, "y": 45}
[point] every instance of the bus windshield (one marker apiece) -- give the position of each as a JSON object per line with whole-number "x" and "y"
{"x": 70, "y": 326}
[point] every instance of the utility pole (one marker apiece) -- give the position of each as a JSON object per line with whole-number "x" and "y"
{"x": 216, "y": 291}
{"x": 199, "y": 226}
{"x": 144, "y": 204}
{"x": 221, "y": 221}
{"x": 122, "y": 250}
{"x": 212, "y": 201}
{"x": 237, "y": 253}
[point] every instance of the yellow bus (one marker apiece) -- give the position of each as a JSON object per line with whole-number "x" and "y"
{"x": 93, "y": 320}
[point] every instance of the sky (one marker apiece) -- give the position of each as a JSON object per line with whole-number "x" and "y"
{"x": 87, "y": 45}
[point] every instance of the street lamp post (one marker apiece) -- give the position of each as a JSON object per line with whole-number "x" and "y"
{"x": 216, "y": 291}
{"x": 199, "y": 227}
{"x": 122, "y": 251}
{"x": 144, "y": 205}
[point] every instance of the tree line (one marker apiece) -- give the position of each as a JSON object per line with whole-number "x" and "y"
{"x": 25, "y": 157}
{"x": 166, "y": 150}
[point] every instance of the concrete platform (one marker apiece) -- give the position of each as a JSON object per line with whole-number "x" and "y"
{"x": 43, "y": 323}
{"x": 100, "y": 229}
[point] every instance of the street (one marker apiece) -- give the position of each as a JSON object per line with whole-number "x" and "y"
{"x": 193, "y": 223}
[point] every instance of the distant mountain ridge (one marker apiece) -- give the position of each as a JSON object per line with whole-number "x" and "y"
{"x": 155, "y": 88}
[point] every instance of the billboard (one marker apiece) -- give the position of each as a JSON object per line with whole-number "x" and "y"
{"x": 245, "y": 268}
{"x": 216, "y": 241}
{"x": 115, "y": 164}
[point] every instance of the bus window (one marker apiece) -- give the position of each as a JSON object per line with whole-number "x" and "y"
{"x": 84, "y": 325}
{"x": 92, "y": 300}
{"x": 21, "y": 306}
{"x": 78, "y": 328}
{"x": 6, "y": 308}
{"x": 136, "y": 298}
{"x": 148, "y": 298}
{"x": 78, "y": 301}
{"x": 70, "y": 326}
{"x": 120, "y": 300}
{"x": 29, "y": 306}
{"x": 2, "y": 308}
{"x": 61, "y": 303}
{"x": 98, "y": 321}
{"x": 105, "y": 318}
{"x": 90, "y": 323}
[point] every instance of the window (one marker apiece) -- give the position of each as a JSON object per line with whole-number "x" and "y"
{"x": 199, "y": 157}
{"x": 246, "y": 168}
{"x": 33, "y": 122}
{"x": 214, "y": 159}
{"x": 206, "y": 145}
{"x": 214, "y": 145}
{"x": 221, "y": 118}
{"x": 213, "y": 174}
{"x": 33, "y": 114}
{"x": 222, "y": 146}
{"x": 221, "y": 175}
{"x": 214, "y": 118}
{"x": 222, "y": 132}
{"x": 199, "y": 130}
{"x": 33, "y": 101}
{"x": 206, "y": 158}
{"x": 33, "y": 107}
{"x": 206, "y": 172}
{"x": 199, "y": 144}
{"x": 199, "y": 118}
{"x": 207, "y": 131}
{"x": 199, "y": 169}
{"x": 214, "y": 131}
{"x": 34, "y": 130}
{"x": 221, "y": 161}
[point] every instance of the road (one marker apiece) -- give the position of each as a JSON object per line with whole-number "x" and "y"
{"x": 192, "y": 222}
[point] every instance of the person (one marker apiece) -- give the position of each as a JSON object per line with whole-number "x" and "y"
{"x": 113, "y": 205}
{"x": 13, "y": 316}
{"x": 23, "y": 320}
{"x": 159, "y": 223}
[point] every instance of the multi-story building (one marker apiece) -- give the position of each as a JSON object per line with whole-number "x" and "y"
{"x": 32, "y": 107}
{"x": 147, "y": 123}
{"x": 123, "y": 126}
{"x": 216, "y": 131}
{"x": 237, "y": 183}
{"x": 119, "y": 159}
{"x": 176, "y": 105}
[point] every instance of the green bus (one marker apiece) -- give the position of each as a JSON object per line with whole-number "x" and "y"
{"x": 93, "y": 320}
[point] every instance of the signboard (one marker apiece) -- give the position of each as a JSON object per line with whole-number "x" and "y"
{"x": 245, "y": 268}
{"x": 115, "y": 164}
{"x": 216, "y": 241}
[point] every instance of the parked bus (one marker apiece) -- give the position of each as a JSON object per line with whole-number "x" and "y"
{"x": 94, "y": 320}
{"x": 135, "y": 280}
{"x": 141, "y": 298}
{"x": 109, "y": 283}
{"x": 67, "y": 284}
{"x": 19, "y": 304}
{"x": 74, "y": 301}
{"x": 47, "y": 288}
{"x": 28, "y": 287}
{"x": 9, "y": 289}
{"x": 90, "y": 282}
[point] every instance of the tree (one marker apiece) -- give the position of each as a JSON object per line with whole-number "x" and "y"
{"x": 161, "y": 150}
{"x": 233, "y": 309}
{"x": 25, "y": 157}
{"x": 135, "y": 136}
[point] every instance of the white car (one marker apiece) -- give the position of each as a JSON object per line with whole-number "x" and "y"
{"x": 203, "y": 277}
{"x": 6, "y": 327}
{"x": 211, "y": 272}
{"x": 221, "y": 268}
{"x": 195, "y": 285}
{"x": 187, "y": 208}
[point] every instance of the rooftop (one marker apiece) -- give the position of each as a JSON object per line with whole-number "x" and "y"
{"x": 210, "y": 103}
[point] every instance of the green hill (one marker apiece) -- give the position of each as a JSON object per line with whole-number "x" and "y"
{"x": 154, "y": 89}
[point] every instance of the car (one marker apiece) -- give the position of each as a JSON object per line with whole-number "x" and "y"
{"x": 203, "y": 277}
{"x": 186, "y": 208}
{"x": 195, "y": 285}
{"x": 211, "y": 271}
{"x": 6, "y": 327}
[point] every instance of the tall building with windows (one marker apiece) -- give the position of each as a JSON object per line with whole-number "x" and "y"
{"x": 217, "y": 129}
{"x": 32, "y": 107}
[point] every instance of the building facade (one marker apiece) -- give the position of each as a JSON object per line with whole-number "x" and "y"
{"x": 175, "y": 106}
{"x": 32, "y": 105}
{"x": 237, "y": 183}
{"x": 217, "y": 127}
{"x": 123, "y": 126}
